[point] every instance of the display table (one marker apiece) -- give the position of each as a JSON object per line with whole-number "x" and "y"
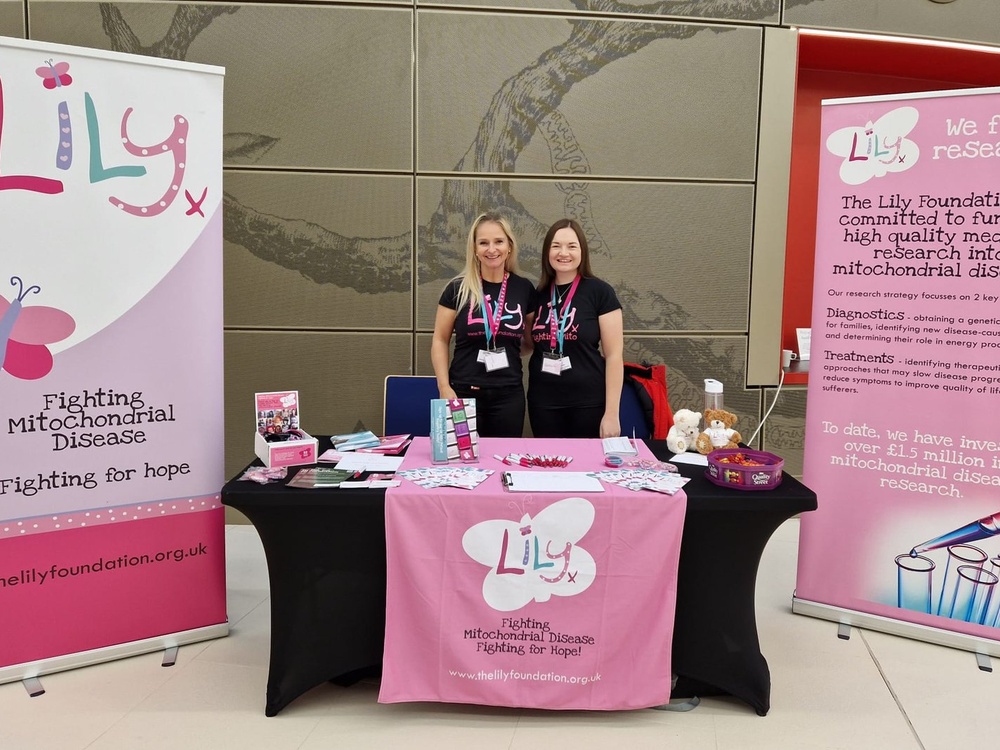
{"x": 326, "y": 561}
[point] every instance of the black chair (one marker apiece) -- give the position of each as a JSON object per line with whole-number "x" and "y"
{"x": 406, "y": 405}
{"x": 630, "y": 414}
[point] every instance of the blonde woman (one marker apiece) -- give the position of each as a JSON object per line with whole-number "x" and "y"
{"x": 489, "y": 308}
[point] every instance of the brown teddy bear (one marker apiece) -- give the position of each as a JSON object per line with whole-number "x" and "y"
{"x": 718, "y": 432}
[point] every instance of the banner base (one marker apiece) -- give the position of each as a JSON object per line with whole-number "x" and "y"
{"x": 16, "y": 672}
{"x": 912, "y": 630}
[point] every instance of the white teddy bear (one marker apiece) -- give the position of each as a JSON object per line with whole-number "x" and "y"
{"x": 684, "y": 432}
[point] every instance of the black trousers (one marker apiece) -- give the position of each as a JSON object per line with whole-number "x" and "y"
{"x": 566, "y": 422}
{"x": 499, "y": 410}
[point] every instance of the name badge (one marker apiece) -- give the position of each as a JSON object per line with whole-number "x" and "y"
{"x": 552, "y": 363}
{"x": 495, "y": 360}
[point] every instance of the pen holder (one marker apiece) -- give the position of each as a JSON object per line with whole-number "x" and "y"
{"x": 744, "y": 469}
{"x": 453, "y": 431}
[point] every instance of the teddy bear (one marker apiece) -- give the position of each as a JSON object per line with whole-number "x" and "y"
{"x": 718, "y": 432}
{"x": 684, "y": 431}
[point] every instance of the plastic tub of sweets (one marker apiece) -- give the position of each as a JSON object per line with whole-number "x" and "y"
{"x": 744, "y": 469}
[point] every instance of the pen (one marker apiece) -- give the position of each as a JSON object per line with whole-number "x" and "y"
{"x": 515, "y": 459}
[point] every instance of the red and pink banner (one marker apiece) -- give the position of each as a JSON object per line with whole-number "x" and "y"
{"x": 904, "y": 383}
{"x": 111, "y": 440}
{"x": 552, "y": 600}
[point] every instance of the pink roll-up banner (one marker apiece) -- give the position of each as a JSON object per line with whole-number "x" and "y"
{"x": 111, "y": 440}
{"x": 904, "y": 384}
{"x": 554, "y": 600}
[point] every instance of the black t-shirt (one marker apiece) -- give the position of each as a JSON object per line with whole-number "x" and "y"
{"x": 470, "y": 332}
{"x": 583, "y": 384}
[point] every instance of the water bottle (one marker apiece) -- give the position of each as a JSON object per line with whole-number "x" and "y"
{"x": 713, "y": 394}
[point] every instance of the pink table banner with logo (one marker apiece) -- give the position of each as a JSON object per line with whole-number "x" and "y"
{"x": 555, "y": 600}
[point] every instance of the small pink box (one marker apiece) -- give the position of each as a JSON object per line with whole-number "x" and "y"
{"x": 277, "y": 412}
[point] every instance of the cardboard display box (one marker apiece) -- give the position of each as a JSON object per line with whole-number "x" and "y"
{"x": 277, "y": 413}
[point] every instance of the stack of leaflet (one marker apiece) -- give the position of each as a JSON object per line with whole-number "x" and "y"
{"x": 352, "y": 441}
{"x": 319, "y": 478}
{"x": 667, "y": 482}
{"x": 463, "y": 477}
{"x": 619, "y": 446}
{"x": 390, "y": 445}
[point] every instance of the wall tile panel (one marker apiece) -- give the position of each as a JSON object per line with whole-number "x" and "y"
{"x": 12, "y": 18}
{"x": 762, "y": 11}
{"x": 318, "y": 250}
{"x": 784, "y": 430}
{"x": 619, "y": 98}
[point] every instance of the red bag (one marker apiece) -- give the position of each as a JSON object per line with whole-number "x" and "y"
{"x": 650, "y": 384}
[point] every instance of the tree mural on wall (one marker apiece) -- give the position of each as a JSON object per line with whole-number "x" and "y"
{"x": 525, "y": 106}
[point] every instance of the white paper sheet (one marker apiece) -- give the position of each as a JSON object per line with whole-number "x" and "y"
{"x": 551, "y": 481}
{"x": 690, "y": 458}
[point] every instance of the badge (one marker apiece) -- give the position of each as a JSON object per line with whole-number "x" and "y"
{"x": 552, "y": 363}
{"x": 495, "y": 360}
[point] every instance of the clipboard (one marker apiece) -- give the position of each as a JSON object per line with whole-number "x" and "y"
{"x": 550, "y": 481}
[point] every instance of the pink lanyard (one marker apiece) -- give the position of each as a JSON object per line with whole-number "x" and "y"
{"x": 492, "y": 325}
{"x": 558, "y": 330}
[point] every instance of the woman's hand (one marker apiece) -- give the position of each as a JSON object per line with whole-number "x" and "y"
{"x": 610, "y": 426}
{"x": 447, "y": 392}
{"x": 612, "y": 346}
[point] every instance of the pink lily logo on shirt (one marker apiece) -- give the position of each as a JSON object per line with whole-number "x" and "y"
{"x": 535, "y": 558}
{"x": 512, "y": 318}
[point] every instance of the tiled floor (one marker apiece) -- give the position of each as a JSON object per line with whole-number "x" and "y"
{"x": 872, "y": 691}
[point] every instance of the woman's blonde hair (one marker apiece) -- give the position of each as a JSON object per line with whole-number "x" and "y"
{"x": 470, "y": 291}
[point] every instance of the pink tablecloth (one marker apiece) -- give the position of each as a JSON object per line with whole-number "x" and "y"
{"x": 540, "y": 600}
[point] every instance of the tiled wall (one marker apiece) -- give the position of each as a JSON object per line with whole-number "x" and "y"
{"x": 361, "y": 141}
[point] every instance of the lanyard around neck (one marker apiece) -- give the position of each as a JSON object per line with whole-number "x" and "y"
{"x": 558, "y": 320}
{"x": 492, "y": 323}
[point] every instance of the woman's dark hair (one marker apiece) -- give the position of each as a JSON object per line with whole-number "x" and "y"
{"x": 548, "y": 273}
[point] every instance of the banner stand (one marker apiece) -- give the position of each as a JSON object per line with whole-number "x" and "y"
{"x": 867, "y": 621}
{"x": 17, "y": 672}
{"x": 904, "y": 387}
{"x": 112, "y": 529}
